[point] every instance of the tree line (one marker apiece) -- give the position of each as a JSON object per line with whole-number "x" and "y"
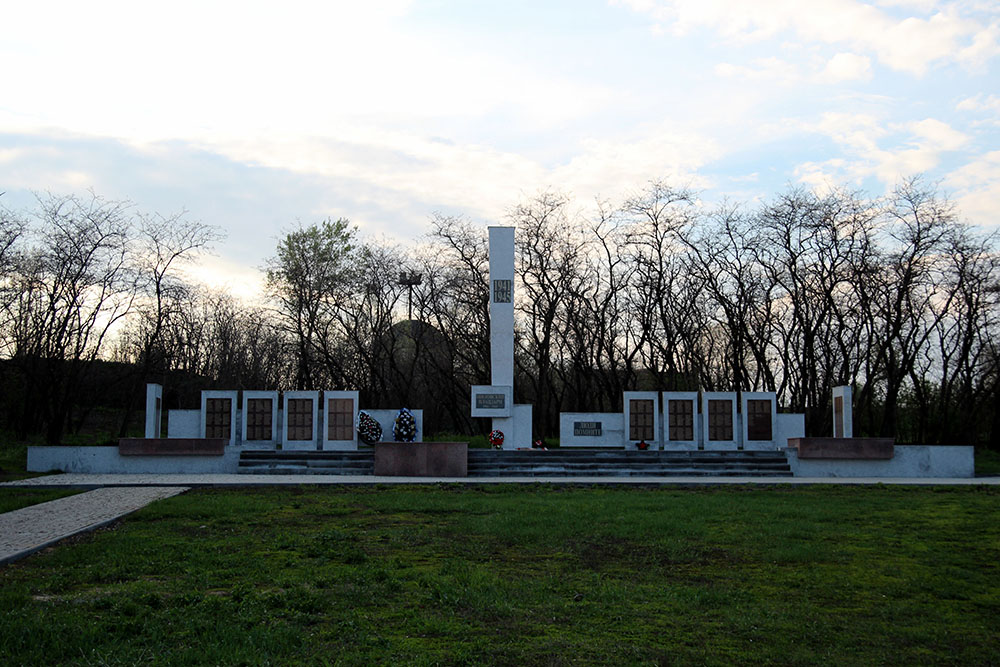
{"x": 893, "y": 295}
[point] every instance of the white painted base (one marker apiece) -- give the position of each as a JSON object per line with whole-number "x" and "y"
{"x": 516, "y": 429}
{"x": 724, "y": 446}
{"x": 93, "y": 460}
{"x": 680, "y": 447}
{"x": 258, "y": 446}
{"x": 907, "y": 461}
{"x": 300, "y": 445}
{"x": 761, "y": 446}
{"x": 340, "y": 446}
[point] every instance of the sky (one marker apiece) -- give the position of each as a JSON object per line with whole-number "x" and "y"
{"x": 258, "y": 116}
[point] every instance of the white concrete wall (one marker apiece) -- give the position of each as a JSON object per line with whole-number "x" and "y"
{"x": 612, "y": 429}
{"x": 657, "y": 417}
{"x": 759, "y": 445}
{"x": 234, "y": 426}
{"x": 154, "y": 410}
{"x": 344, "y": 445}
{"x": 907, "y": 461}
{"x": 107, "y": 460}
{"x": 791, "y": 425}
{"x": 275, "y": 429}
{"x": 733, "y": 444}
{"x": 520, "y": 435}
{"x": 184, "y": 423}
{"x": 386, "y": 418}
{"x": 317, "y": 426}
{"x": 846, "y": 428}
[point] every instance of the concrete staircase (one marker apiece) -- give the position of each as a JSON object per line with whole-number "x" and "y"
{"x": 619, "y": 463}
{"x": 552, "y": 463}
{"x": 269, "y": 462}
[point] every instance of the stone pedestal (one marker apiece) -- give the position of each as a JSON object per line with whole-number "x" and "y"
{"x": 172, "y": 446}
{"x": 843, "y": 448}
{"x": 421, "y": 459}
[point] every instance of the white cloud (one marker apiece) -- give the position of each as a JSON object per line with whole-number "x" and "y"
{"x": 979, "y": 103}
{"x": 774, "y": 70}
{"x": 610, "y": 168}
{"x": 139, "y": 72}
{"x": 977, "y": 189}
{"x": 934, "y": 135}
{"x": 910, "y": 44}
{"x": 917, "y": 148}
{"x": 225, "y": 275}
{"x": 848, "y": 67}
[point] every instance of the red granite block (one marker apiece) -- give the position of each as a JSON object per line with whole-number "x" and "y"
{"x": 422, "y": 459}
{"x": 844, "y": 448}
{"x": 172, "y": 446}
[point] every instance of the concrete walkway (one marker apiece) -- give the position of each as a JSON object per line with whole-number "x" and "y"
{"x": 78, "y": 480}
{"x": 25, "y": 531}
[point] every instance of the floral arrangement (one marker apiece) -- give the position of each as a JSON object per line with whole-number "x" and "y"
{"x": 369, "y": 430}
{"x": 496, "y": 439}
{"x": 642, "y": 444}
{"x": 404, "y": 429}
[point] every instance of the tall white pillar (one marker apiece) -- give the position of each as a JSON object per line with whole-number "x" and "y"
{"x": 843, "y": 412}
{"x": 154, "y": 409}
{"x": 502, "y": 323}
{"x": 502, "y": 306}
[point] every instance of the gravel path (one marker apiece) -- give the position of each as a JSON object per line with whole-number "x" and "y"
{"x": 24, "y": 531}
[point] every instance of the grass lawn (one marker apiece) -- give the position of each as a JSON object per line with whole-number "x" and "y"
{"x": 987, "y": 462}
{"x": 15, "y": 498}
{"x": 14, "y": 462}
{"x": 521, "y": 575}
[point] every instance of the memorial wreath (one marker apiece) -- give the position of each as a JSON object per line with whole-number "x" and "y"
{"x": 369, "y": 430}
{"x": 404, "y": 429}
{"x": 496, "y": 439}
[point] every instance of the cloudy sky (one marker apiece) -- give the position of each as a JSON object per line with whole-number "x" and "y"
{"x": 253, "y": 115}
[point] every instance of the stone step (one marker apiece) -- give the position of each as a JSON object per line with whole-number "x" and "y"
{"x": 553, "y": 463}
{"x": 628, "y": 472}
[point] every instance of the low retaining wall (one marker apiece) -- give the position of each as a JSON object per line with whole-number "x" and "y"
{"x": 843, "y": 448}
{"x": 422, "y": 459}
{"x": 96, "y": 460}
{"x": 907, "y": 461}
{"x": 172, "y": 446}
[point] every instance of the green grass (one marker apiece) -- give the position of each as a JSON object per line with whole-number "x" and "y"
{"x": 14, "y": 462}
{"x": 15, "y": 498}
{"x": 987, "y": 462}
{"x": 521, "y": 576}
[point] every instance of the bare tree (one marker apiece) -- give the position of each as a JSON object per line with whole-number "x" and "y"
{"x": 73, "y": 289}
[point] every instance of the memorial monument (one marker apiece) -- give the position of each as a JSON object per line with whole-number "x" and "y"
{"x": 496, "y": 400}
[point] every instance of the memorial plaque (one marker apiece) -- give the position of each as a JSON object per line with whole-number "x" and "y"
{"x": 681, "y": 413}
{"x": 490, "y": 401}
{"x": 759, "y": 419}
{"x": 640, "y": 417}
{"x": 300, "y": 419}
{"x": 218, "y": 418}
{"x": 340, "y": 419}
{"x": 720, "y": 420}
{"x": 502, "y": 291}
{"x": 587, "y": 428}
{"x": 258, "y": 418}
